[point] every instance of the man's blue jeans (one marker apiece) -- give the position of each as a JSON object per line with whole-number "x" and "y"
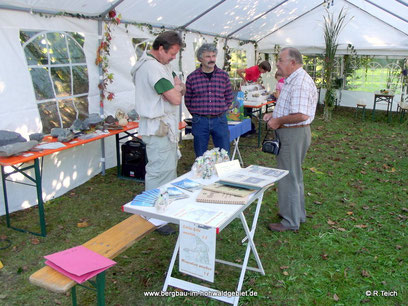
{"x": 203, "y": 127}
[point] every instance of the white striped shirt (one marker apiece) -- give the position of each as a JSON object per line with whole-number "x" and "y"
{"x": 298, "y": 95}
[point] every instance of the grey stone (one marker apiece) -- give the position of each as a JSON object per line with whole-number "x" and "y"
{"x": 55, "y": 132}
{"x": 85, "y": 124}
{"x": 18, "y": 147}
{"x": 110, "y": 119}
{"x": 9, "y": 137}
{"x": 66, "y": 136}
{"x": 94, "y": 118}
{"x": 37, "y": 136}
{"x": 133, "y": 115}
{"x": 77, "y": 125}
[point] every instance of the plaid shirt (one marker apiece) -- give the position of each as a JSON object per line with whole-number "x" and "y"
{"x": 298, "y": 95}
{"x": 208, "y": 97}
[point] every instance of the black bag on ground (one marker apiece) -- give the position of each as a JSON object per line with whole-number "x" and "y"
{"x": 134, "y": 159}
{"x": 271, "y": 145}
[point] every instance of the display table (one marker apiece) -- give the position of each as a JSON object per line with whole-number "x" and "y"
{"x": 378, "y": 98}
{"x": 258, "y": 109}
{"x": 237, "y": 129}
{"x": 191, "y": 211}
{"x": 20, "y": 164}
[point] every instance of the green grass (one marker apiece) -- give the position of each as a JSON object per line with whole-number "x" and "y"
{"x": 354, "y": 240}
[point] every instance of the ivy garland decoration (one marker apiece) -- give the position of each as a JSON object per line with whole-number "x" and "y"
{"x": 102, "y": 57}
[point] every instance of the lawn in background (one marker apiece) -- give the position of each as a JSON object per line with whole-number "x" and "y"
{"x": 353, "y": 244}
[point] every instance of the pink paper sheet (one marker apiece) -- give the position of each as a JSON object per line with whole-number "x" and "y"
{"x": 78, "y": 263}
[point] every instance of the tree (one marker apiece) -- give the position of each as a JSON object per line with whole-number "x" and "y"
{"x": 332, "y": 29}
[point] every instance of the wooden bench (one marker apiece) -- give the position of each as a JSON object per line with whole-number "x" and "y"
{"x": 110, "y": 244}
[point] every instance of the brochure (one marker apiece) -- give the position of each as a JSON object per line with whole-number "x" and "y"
{"x": 253, "y": 177}
{"x": 188, "y": 184}
{"x": 175, "y": 193}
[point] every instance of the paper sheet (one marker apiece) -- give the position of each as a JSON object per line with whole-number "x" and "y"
{"x": 78, "y": 263}
{"x": 50, "y": 146}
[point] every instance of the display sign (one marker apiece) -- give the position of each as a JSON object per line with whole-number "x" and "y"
{"x": 197, "y": 250}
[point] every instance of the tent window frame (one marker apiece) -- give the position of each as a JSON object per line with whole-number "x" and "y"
{"x": 141, "y": 45}
{"x": 69, "y": 101}
{"x": 376, "y": 74}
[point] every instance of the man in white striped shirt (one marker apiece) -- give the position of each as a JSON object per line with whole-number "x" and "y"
{"x": 294, "y": 112}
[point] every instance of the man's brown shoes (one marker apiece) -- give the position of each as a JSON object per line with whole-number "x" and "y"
{"x": 278, "y": 227}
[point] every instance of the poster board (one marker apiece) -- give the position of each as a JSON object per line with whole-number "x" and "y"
{"x": 197, "y": 250}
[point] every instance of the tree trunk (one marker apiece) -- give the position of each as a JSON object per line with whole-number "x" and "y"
{"x": 327, "y": 113}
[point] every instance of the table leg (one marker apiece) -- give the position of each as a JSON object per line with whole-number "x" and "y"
{"x": 236, "y": 150}
{"x": 373, "y": 111}
{"x": 38, "y": 185}
{"x": 117, "y": 155}
{"x": 3, "y": 179}
{"x": 173, "y": 260}
{"x": 259, "y": 126}
{"x": 389, "y": 105}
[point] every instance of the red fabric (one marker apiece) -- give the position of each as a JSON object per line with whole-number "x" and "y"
{"x": 252, "y": 74}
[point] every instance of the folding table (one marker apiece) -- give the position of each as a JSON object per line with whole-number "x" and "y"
{"x": 258, "y": 109}
{"x": 229, "y": 213}
{"x": 22, "y": 164}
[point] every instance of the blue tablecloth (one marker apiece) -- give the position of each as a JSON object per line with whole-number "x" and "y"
{"x": 237, "y": 130}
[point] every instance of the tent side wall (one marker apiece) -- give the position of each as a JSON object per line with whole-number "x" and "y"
{"x": 66, "y": 170}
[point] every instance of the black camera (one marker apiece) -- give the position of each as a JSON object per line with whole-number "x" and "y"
{"x": 271, "y": 145}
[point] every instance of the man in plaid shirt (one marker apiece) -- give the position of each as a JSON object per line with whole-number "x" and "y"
{"x": 294, "y": 112}
{"x": 208, "y": 96}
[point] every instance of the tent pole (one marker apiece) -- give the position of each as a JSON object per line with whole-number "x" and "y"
{"x": 402, "y": 2}
{"x": 28, "y": 10}
{"x": 289, "y": 22}
{"x": 100, "y": 97}
{"x": 181, "y": 77}
{"x": 387, "y": 11}
{"x": 256, "y": 18}
{"x": 202, "y": 14}
{"x": 112, "y": 7}
{"x": 376, "y": 17}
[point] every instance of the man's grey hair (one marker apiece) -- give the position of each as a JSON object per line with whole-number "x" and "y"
{"x": 294, "y": 54}
{"x": 206, "y": 48}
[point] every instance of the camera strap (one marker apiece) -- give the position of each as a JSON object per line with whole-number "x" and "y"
{"x": 275, "y": 136}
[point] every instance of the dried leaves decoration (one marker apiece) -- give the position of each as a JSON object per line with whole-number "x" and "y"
{"x": 102, "y": 57}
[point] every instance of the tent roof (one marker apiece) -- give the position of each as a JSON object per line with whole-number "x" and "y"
{"x": 267, "y": 22}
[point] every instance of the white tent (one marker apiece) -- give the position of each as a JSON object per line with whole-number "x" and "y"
{"x": 376, "y": 27}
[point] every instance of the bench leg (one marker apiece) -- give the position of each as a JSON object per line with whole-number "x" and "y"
{"x": 100, "y": 288}
{"x": 74, "y": 296}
